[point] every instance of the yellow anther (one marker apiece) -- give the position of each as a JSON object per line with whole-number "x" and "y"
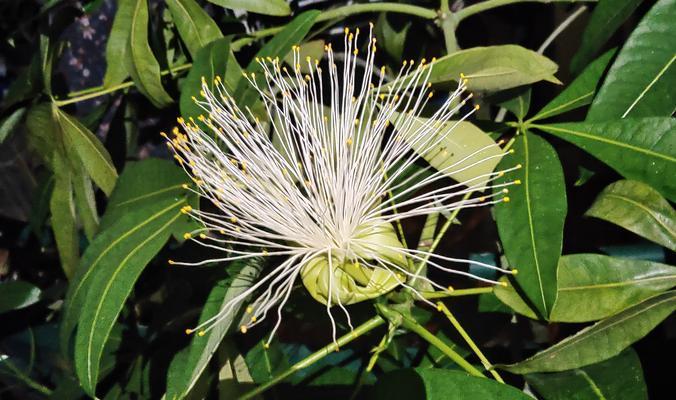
{"x": 164, "y": 135}
{"x": 517, "y": 182}
{"x": 482, "y": 198}
{"x": 462, "y": 76}
{"x": 203, "y": 236}
{"x": 254, "y": 319}
{"x": 221, "y": 231}
{"x": 233, "y": 220}
{"x": 188, "y": 331}
{"x": 519, "y": 166}
{"x": 201, "y": 333}
{"x": 450, "y": 288}
{"x": 505, "y": 190}
{"x": 515, "y": 271}
{"x": 511, "y": 151}
{"x": 355, "y": 51}
{"x": 180, "y": 120}
{"x": 170, "y": 262}
{"x": 439, "y": 306}
{"x": 477, "y": 107}
{"x": 243, "y": 329}
{"x": 506, "y": 199}
{"x": 430, "y": 94}
{"x": 185, "y": 186}
{"x": 186, "y": 209}
{"x": 249, "y": 310}
{"x": 266, "y": 345}
{"x": 187, "y": 235}
{"x": 348, "y": 142}
{"x": 505, "y": 284}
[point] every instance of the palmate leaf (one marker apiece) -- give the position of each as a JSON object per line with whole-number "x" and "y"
{"x": 601, "y": 341}
{"x": 531, "y": 224}
{"x": 642, "y": 149}
{"x": 187, "y": 366}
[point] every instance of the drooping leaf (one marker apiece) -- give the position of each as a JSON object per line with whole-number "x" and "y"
{"x": 494, "y": 68}
{"x": 85, "y": 201}
{"x": 580, "y": 92}
{"x": 438, "y": 384}
{"x": 641, "y": 81}
{"x": 508, "y": 295}
{"x": 594, "y": 286}
{"x": 601, "y": 341}
{"x": 141, "y": 63}
{"x": 642, "y": 149}
{"x": 17, "y": 294}
{"x": 460, "y": 145}
{"x": 531, "y": 224}
{"x": 596, "y": 381}
{"x": 607, "y": 17}
{"x": 64, "y": 221}
{"x": 88, "y": 150}
{"x": 42, "y": 132}
{"x": 187, "y": 367}
{"x": 195, "y": 26}
{"x": 639, "y": 208}
{"x": 116, "y": 48}
{"x": 267, "y": 7}
{"x": 8, "y": 124}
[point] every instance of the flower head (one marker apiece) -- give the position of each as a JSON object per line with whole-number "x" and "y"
{"x": 326, "y": 189}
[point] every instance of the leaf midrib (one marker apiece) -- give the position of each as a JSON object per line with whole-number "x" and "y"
{"x": 103, "y": 295}
{"x": 645, "y": 209}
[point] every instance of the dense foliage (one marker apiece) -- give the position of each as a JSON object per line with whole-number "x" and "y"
{"x": 92, "y": 205}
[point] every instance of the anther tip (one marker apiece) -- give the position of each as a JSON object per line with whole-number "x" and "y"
{"x": 170, "y": 262}
{"x": 505, "y": 284}
{"x": 506, "y": 199}
{"x": 450, "y": 288}
{"x": 515, "y": 271}
{"x": 439, "y": 307}
{"x": 201, "y": 333}
{"x": 243, "y": 328}
{"x": 477, "y": 107}
{"x": 517, "y": 182}
{"x": 266, "y": 345}
{"x": 188, "y": 331}
{"x": 187, "y": 235}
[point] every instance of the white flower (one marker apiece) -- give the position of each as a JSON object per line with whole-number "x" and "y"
{"x": 320, "y": 194}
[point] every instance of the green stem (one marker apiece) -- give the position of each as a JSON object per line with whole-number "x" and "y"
{"x": 26, "y": 379}
{"x": 316, "y": 356}
{"x": 346, "y": 11}
{"x": 449, "y": 23}
{"x": 484, "y": 361}
{"x": 90, "y": 93}
{"x": 490, "y": 4}
{"x": 418, "y": 329}
{"x": 456, "y": 293}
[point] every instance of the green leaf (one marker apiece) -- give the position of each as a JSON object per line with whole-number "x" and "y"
{"x": 457, "y": 141}
{"x": 10, "y": 123}
{"x": 267, "y": 7}
{"x": 607, "y": 17}
{"x": 438, "y": 384}
{"x": 279, "y": 46}
{"x": 531, "y": 224}
{"x": 17, "y": 294}
{"x": 142, "y": 65}
{"x": 64, "y": 222}
{"x": 601, "y": 341}
{"x": 117, "y": 55}
{"x": 85, "y": 202}
{"x": 42, "y": 132}
{"x": 145, "y": 189}
{"x": 642, "y": 149}
{"x": 494, "y": 68}
{"x": 519, "y": 104}
{"x": 141, "y": 184}
{"x": 89, "y": 151}
{"x": 639, "y": 208}
{"x": 187, "y": 367}
{"x": 392, "y": 41}
{"x": 266, "y": 363}
{"x": 195, "y": 26}
{"x": 641, "y": 81}
{"x": 510, "y": 297}
{"x": 595, "y": 382}
{"x": 25, "y": 86}
{"x": 215, "y": 59}
{"x": 115, "y": 259}
{"x": 580, "y": 92}
{"x": 594, "y": 286}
